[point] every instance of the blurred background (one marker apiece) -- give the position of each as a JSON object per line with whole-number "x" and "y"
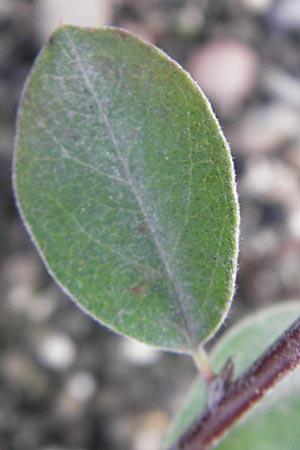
{"x": 66, "y": 383}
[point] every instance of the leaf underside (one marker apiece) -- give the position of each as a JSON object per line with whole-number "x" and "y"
{"x": 274, "y": 423}
{"x": 125, "y": 183}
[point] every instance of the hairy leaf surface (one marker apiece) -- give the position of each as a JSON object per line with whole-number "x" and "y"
{"x": 126, "y": 185}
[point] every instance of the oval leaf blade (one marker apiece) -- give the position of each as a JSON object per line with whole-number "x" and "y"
{"x": 274, "y": 423}
{"x": 126, "y": 185}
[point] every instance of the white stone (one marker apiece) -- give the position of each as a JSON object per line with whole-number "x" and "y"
{"x": 226, "y": 70}
{"x": 265, "y": 128}
{"x": 257, "y": 6}
{"x": 191, "y": 18}
{"x": 287, "y": 14}
{"x": 19, "y": 298}
{"x": 282, "y": 85}
{"x": 42, "y": 306}
{"x": 269, "y": 180}
{"x": 81, "y": 386}
{"x": 56, "y": 351}
{"x": 138, "y": 353}
{"x": 51, "y": 13}
{"x": 5, "y": 8}
{"x": 150, "y": 429}
{"x": 262, "y": 244}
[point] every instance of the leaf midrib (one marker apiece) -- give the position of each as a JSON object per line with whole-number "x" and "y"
{"x": 180, "y": 294}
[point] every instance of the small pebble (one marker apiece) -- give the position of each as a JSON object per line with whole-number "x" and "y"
{"x": 286, "y": 15}
{"x": 138, "y": 353}
{"x": 42, "y": 306}
{"x": 226, "y": 70}
{"x": 56, "y": 351}
{"x": 282, "y": 86}
{"x": 262, "y": 244}
{"x": 269, "y": 180}
{"x": 257, "y": 6}
{"x": 51, "y": 13}
{"x": 151, "y": 428}
{"x": 81, "y": 386}
{"x": 20, "y": 371}
{"x": 5, "y": 8}
{"x": 190, "y": 19}
{"x": 19, "y": 298}
{"x": 68, "y": 409}
{"x": 265, "y": 128}
{"x": 38, "y": 308}
{"x": 22, "y": 270}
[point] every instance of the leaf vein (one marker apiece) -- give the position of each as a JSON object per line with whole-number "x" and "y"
{"x": 179, "y": 291}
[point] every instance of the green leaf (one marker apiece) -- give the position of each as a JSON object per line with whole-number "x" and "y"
{"x": 274, "y": 423}
{"x": 125, "y": 183}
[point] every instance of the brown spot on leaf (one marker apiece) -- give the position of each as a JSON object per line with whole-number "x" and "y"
{"x": 140, "y": 228}
{"x": 137, "y": 289}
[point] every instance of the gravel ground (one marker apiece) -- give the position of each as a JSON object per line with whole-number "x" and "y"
{"x": 67, "y": 383}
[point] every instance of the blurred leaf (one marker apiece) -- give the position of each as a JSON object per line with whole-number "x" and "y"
{"x": 274, "y": 423}
{"x": 125, "y": 182}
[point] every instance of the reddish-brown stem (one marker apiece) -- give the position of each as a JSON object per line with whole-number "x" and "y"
{"x": 241, "y": 394}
